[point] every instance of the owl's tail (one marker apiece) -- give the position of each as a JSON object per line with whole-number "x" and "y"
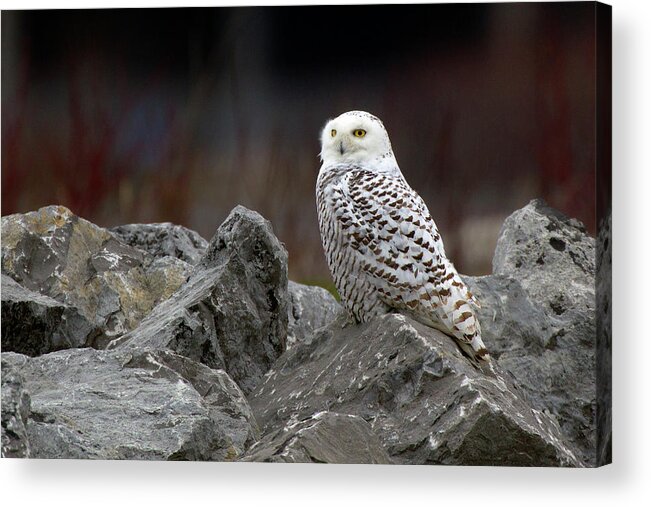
{"x": 471, "y": 345}
{"x": 475, "y": 349}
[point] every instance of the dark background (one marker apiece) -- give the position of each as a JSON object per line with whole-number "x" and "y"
{"x": 145, "y": 115}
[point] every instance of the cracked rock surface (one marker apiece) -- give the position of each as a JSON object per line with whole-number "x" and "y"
{"x": 231, "y": 313}
{"x": 111, "y": 284}
{"x": 15, "y": 413}
{"x": 35, "y": 324}
{"x": 420, "y": 395}
{"x": 138, "y": 404}
{"x": 163, "y": 240}
{"x": 538, "y": 316}
{"x": 325, "y": 437}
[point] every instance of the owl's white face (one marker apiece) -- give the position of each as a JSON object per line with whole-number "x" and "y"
{"x": 354, "y": 137}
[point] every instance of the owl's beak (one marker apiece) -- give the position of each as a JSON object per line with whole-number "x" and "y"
{"x": 341, "y": 147}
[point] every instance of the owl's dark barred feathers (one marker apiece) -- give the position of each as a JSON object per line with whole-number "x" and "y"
{"x": 381, "y": 243}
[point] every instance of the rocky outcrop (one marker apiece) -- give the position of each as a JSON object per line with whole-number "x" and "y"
{"x": 111, "y": 285}
{"x": 163, "y": 240}
{"x": 231, "y": 314}
{"x": 136, "y": 404}
{"x": 426, "y": 402}
{"x": 310, "y": 308}
{"x": 214, "y": 356}
{"x": 538, "y": 316}
{"x": 325, "y": 437}
{"x": 15, "y": 411}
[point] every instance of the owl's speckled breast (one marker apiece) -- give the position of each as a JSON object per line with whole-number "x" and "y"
{"x": 381, "y": 243}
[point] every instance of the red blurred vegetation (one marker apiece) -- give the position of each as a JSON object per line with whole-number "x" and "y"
{"x": 478, "y": 131}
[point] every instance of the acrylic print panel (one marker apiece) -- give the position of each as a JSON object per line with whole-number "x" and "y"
{"x": 195, "y": 268}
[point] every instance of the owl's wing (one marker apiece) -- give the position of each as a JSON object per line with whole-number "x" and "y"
{"x": 397, "y": 244}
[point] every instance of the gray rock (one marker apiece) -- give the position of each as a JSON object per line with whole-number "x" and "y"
{"x": 163, "y": 239}
{"x": 325, "y": 437}
{"x": 35, "y": 324}
{"x": 232, "y": 312}
{"x": 111, "y": 284}
{"x": 604, "y": 342}
{"x": 552, "y": 257}
{"x": 131, "y": 404}
{"x": 538, "y": 316}
{"x": 310, "y": 308}
{"x": 15, "y": 411}
{"x": 426, "y": 402}
{"x": 510, "y": 320}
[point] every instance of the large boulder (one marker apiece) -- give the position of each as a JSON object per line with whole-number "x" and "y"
{"x": 111, "y": 284}
{"x": 15, "y": 412}
{"x": 232, "y": 312}
{"x": 425, "y": 401}
{"x": 163, "y": 240}
{"x": 137, "y": 404}
{"x": 326, "y": 437}
{"x": 35, "y": 324}
{"x": 310, "y": 308}
{"x": 538, "y": 316}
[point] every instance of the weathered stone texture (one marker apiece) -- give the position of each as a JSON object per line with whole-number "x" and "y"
{"x": 231, "y": 313}
{"x": 325, "y": 437}
{"x": 15, "y": 412}
{"x": 538, "y": 316}
{"x": 35, "y": 324}
{"x": 112, "y": 285}
{"x": 421, "y": 396}
{"x": 198, "y": 331}
{"x": 163, "y": 240}
{"x": 604, "y": 342}
{"x": 137, "y": 404}
{"x": 310, "y": 308}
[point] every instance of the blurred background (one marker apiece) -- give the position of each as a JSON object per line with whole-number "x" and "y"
{"x": 152, "y": 115}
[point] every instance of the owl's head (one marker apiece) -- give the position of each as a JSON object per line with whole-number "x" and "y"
{"x": 355, "y": 137}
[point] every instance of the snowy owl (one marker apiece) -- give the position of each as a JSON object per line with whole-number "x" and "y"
{"x": 381, "y": 244}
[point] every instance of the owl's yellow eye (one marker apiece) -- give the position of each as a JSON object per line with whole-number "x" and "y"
{"x": 333, "y": 133}
{"x": 359, "y": 133}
